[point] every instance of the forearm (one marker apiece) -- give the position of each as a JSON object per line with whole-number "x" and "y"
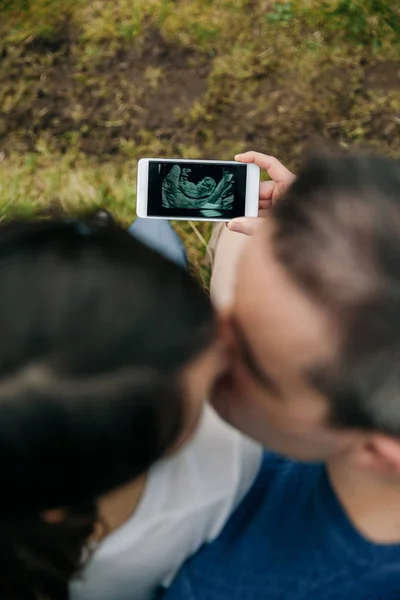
{"x": 224, "y": 250}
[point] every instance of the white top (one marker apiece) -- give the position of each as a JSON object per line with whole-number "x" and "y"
{"x": 187, "y": 500}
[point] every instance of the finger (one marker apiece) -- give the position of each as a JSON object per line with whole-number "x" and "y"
{"x": 275, "y": 169}
{"x": 245, "y": 225}
{"x": 266, "y": 189}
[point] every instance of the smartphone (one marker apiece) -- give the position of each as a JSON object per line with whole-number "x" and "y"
{"x": 196, "y": 190}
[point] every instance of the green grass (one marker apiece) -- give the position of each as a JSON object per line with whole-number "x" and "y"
{"x": 86, "y": 88}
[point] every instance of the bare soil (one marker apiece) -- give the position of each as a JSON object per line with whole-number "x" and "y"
{"x": 47, "y": 92}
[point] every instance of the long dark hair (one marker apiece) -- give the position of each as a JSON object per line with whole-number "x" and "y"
{"x": 94, "y": 328}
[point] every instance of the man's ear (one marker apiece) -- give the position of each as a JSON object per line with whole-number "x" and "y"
{"x": 379, "y": 453}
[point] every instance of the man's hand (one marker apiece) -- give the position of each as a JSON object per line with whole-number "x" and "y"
{"x": 270, "y": 191}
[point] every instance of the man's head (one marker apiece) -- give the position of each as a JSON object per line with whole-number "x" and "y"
{"x": 317, "y": 317}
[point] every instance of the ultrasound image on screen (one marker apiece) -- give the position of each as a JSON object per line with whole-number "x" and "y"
{"x": 196, "y": 190}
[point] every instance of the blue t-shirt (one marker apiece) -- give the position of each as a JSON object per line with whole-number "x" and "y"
{"x": 290, "y": 540}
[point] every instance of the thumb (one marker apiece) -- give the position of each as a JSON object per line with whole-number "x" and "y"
{"x": 245, "y": 225}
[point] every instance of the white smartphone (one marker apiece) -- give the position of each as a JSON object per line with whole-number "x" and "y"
{"x": 196, "y": 190}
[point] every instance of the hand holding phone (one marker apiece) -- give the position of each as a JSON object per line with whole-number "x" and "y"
{"x": 270, "y": 191}
{"x": 196, "y": 190}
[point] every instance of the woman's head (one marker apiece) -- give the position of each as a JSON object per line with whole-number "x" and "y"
{"x": 101, "y": 342}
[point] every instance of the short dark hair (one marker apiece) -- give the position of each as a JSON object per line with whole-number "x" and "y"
{"x": 94, "y": 329}
{"x": 338, "y": 235}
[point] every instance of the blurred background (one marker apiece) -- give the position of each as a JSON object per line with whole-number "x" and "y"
{"x": 88, "y": 87}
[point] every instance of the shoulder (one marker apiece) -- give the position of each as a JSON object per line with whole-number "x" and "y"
{"x": 218, "y": 454}
{"x": 226, "y": 461}
{"x": 285, "y": 541}
{"x": 208, "y": 478}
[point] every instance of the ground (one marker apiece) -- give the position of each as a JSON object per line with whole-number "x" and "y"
{"x": 88, "y": 88}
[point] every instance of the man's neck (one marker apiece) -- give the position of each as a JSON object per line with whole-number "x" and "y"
{"x": 371, "y": 503}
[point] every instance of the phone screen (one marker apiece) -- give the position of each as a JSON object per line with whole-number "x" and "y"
{"x": 190, "y": 190}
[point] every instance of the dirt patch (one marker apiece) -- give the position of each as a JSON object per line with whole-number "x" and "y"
{"x": 383, "y": 77}
{"x": 335, "y": 106}
{"x": 291, "y": 114}
{"x": 46, "y": 94}
{"x": 51, "y": 97}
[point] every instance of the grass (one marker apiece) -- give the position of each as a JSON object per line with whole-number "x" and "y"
{"x": 88, "y": 88}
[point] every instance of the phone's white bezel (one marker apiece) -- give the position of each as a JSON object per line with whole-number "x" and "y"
{"x": 252, "y": 187}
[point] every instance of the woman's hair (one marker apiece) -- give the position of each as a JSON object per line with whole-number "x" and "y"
{"x": 94, "y": 329}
